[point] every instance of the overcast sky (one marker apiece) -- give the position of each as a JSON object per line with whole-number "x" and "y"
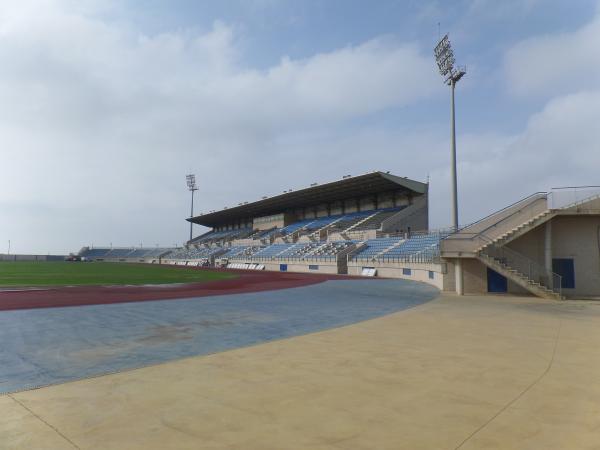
{"x": 104, "y": 107}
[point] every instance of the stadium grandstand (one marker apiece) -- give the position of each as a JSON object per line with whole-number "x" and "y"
{"x": 377, "y": 225}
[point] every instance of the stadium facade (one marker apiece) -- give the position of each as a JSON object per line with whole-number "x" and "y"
{"x": 377, "y": 225}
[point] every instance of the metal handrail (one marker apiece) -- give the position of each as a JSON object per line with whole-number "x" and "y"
{"x": 442, "y": 232}
{"x": 427, "y": 255}
{"x": 526, "y": 266}
{"x": 573, "y": 203}
{"x": 470, "y": 236}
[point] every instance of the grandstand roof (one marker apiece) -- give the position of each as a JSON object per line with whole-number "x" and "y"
{"x": 349, "y": 187}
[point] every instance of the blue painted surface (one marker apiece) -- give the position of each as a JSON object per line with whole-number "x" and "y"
{"x": 47, "y": 346}
{"x": 565, "y": 267}
{"x": 496, "y": 282}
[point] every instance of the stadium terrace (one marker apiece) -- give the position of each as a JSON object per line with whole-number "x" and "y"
{"x": 377, "y": 225}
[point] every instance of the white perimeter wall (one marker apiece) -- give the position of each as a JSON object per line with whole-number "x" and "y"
{"x": 419, "y": 271}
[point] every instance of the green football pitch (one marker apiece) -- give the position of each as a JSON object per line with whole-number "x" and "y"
{"x": 38, "y": 273}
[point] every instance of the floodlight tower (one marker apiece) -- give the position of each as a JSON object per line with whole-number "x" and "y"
{"x": 444, "y": 57}
{"x": 191, "y": 184}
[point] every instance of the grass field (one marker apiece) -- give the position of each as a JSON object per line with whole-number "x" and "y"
{"x": 97, "y": 273}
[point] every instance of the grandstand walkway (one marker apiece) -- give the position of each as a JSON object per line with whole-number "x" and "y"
{"x": 454, "y": 373}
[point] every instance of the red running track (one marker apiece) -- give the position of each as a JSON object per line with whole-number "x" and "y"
{"x": 247, "y": 281}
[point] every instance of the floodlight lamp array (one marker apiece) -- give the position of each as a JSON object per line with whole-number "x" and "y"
{"x": 444, "y": 56}
{"x": 191, "y": 182}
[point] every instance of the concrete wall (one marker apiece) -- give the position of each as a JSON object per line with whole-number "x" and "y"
{"x": 330, "y": 267}
{"x": 5, "y": 257}
{"x": 578, "y": 237}
{"x": 419, "y": 271}
{"x": 531, "y": 244}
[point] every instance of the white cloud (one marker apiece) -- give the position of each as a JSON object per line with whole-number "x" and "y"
{"x": 556, "y": 63}
{"x": 100, "y": 122}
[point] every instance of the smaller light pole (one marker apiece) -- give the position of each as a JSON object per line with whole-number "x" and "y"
{"x": 191, "y": 184}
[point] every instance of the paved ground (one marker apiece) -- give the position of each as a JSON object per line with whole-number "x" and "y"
{"x": 48, "y": 346}
{"x": 468, "y": 373}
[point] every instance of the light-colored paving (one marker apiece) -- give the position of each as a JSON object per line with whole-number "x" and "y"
{"x": 468, "y": 373}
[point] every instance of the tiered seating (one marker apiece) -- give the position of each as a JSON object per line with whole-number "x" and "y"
{"x": 375, "y": 246}
{"x": 331, "y": 249}
{"x": 414, "y": 245}
{"x": 272, "y": 250}
{"x": 268, "y": 234}
{"x": 177, "y": 253}
{"x": 205, "y": 237}
{"x": 139, "y": 253}
{"x": 306, "y": 226}
{"x": 299, "y": 250}
{"x": 212, "y": 236}
{"x": 232, "y": 251}
{"x": 260, "y": 234}
{"x": 347, "y": 220}
{"x": 289, "y": 229}
{"x": 156, "y": 252}
{"x": 119, "y": 253}
{"x": 248, "y": 252}
{"x": 102, "y": 253}
{"x": 374, "y": 223}
{"x": 321, "y": 222}
{"x": 193, "y": 253}
{"x": 242, "y": 251}
{"x": 95, "y": 253}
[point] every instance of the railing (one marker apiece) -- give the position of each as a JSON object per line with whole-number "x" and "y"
{"x": 569, "y": 196}
{"x": 427, "y": 255}
{"x": 529, "y": 197}
{"x": 288, "y": 258}
{"x": 532, "y": 270}
{"x": 465, "y": 235}
{"x": 442, "y": 232}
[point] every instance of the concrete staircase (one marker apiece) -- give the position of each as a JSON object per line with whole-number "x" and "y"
{"x": 521, "y": 279}
{"x": 521, "y": 229}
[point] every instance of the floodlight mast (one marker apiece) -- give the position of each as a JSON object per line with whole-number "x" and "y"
{"x": 191, "y": 184}
{"x": 444, "y": 57}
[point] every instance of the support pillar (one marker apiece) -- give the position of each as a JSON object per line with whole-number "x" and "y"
{"x": 458, "y": 276}
{"x": 548, "y": 253}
